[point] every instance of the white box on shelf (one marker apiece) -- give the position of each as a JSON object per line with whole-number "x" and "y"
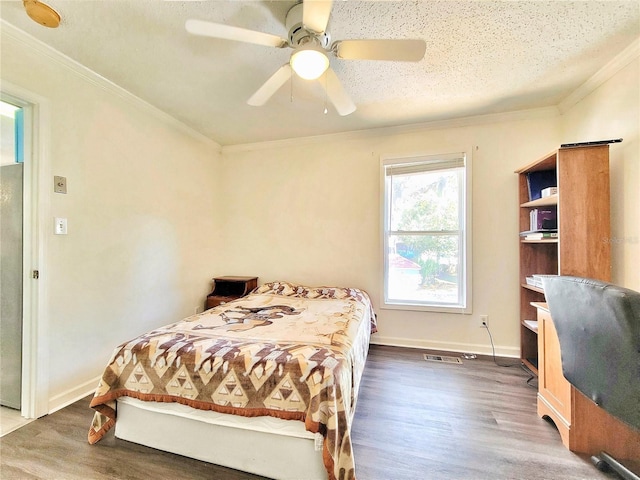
{"x": 547, "y": 192}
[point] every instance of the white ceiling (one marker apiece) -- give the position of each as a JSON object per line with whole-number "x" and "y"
{"x": 482, "y": 57}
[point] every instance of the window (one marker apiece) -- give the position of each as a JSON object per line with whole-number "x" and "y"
{"x": 12, "y": 127}
{"x": 426, "y": 233}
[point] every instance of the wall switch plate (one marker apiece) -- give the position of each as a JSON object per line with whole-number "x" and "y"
{"x": 60, "y": 184}
{"x": 60, "y": 226}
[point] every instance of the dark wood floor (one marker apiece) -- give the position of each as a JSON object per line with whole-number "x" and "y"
{"x": 414, "y": 420}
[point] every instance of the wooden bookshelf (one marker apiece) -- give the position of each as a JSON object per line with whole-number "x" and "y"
{"x": 583, "y": 249}
{"x": 583, "y": 244}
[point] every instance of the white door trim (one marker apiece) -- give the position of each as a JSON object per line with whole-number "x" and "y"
{"x": 35, "y": 346}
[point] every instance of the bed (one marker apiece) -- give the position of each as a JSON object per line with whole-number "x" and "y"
{"x": 266, "y": 384}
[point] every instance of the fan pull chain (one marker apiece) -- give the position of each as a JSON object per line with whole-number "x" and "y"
{"x": 291, "y": 88}
{"x": 325, "y": 93}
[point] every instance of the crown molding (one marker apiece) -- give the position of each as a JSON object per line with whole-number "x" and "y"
{"x": 514, "y": 116}
{"x": 616, "y": 64}
{"x": 99, "y": 81}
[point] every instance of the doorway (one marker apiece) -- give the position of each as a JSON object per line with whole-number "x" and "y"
{"x": 11, "y": 248}
{"x": 24, "y": 353}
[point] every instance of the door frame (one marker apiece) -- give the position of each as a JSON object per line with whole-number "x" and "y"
{"x": 35, "y": 321}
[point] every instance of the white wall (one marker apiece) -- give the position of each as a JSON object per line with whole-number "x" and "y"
{"x": 309, "y": 212}
{"x": 613, "y": 111}
{"x": 141, "y": 209}
{"x": 154, "y": 211}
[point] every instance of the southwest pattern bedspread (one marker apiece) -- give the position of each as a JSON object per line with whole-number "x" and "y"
{"x": 285, "y": 351}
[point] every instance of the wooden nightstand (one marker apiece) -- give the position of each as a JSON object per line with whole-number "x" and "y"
{"x": 226, "y": 289}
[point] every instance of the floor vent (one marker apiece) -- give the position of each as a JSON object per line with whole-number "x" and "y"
{"x": 442, "y": 359}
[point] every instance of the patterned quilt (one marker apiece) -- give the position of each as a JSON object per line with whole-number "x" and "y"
{"x": 286, "y": 351}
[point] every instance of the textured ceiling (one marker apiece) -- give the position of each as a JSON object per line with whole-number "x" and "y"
{"x": 482, "y": 57}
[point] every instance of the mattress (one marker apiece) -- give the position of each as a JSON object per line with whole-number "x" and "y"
{"x": 285, "y": 351}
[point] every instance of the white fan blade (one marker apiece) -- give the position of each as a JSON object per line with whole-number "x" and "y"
{"x": 398, "y": 50}
{"x": 315, "y": 14}
{"x": 227, "y": 32}
{"x": 339, "y": 98}
{"x": 271, "y": 86}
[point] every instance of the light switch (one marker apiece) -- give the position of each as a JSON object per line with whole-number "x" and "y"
{"x": 61, "y": 226}
{"x": 59, "y": 184}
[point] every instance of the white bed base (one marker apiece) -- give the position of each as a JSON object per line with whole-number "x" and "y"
{"x": 266, "y": 446}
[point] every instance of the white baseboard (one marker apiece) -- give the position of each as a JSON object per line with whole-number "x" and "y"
{"x": 501, "y": 351}
{"x": 72, "y": 395}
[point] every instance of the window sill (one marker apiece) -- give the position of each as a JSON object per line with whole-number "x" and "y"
{"x": 426, "y": 308}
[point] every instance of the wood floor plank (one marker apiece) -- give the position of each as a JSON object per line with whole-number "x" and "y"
{"x": 414, "y": 420}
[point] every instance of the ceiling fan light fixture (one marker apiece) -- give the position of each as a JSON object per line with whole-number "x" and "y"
{"x": 309, "y": 62}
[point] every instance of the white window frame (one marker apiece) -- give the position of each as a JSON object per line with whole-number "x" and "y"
{"x": 446, "y": 160}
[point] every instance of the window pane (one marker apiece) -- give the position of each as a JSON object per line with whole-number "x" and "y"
{"x": 424, "y": 201}
{"x": 424, "y": 269}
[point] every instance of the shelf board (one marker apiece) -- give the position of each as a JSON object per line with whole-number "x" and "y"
{"x": 543, "y": 240}
{"x": 531, "y": 287}
{"x": 540, "y": 305}
{"x": 531, "y": 325}
{"x": 548, "y": 162}
{"x": 541, "y": 202}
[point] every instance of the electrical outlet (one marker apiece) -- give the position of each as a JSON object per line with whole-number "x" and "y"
{"x": 60, "y": 226}
{"x": 484, "y": 321}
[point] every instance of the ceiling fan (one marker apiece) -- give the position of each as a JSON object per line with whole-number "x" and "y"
{"x": 307, "y": 23}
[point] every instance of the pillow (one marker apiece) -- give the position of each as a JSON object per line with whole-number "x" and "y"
{"x": 293, "y": 290}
